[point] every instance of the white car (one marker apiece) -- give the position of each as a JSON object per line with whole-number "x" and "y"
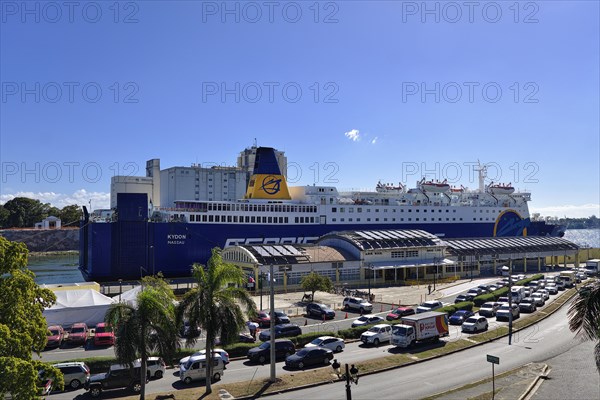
{"x": 377, "y": 334}
{"x": 430, "y": 305}
{"x": 544, "y": 293}
{"x": 224, "y": 356}
{"x": 367, "y": 320}
{"x": 538, "y": 298}
{"x": 475, "y": 324}
{"x": 329, "y": 342}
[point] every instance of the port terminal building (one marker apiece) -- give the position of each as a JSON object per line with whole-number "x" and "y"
{"x": 396, "y": 257}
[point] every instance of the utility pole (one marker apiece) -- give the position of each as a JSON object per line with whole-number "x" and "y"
{"x": 510, "y": 316}
{"x": 272, "y": 315}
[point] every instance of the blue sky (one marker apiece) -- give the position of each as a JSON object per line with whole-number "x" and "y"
{"x": 359, "y": 91}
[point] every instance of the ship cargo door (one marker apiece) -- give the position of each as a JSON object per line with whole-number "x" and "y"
{"x": 323, "y": 220}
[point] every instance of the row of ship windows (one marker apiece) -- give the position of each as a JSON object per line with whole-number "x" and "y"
{"x": 405, "y": 254}
{"x": 260, "y": 208}
{"x": 394, "y": 219}
{"x": 250, "y": 219}
{"x": 359, "y": 209}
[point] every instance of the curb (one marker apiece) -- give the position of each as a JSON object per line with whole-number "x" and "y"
{"x": 533, "y": 385}
{"x": 405, "y": 365}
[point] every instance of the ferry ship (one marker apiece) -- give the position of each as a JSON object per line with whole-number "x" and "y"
{"x": 137, "y": 238}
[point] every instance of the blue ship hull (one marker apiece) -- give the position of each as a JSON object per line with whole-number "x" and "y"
{"x": 127, "y": 248}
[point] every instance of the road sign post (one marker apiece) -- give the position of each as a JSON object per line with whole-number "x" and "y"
{"x": 493, "y": 360}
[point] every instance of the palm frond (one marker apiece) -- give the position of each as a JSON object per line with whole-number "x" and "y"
{"x": 584, "y": 312}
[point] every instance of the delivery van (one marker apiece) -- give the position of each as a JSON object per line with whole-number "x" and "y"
{"x": 195, "y": 368}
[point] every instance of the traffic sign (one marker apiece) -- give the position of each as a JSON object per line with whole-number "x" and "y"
{"x": 493, "y": 359}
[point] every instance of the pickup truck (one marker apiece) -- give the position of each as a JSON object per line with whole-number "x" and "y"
{"x": 377, "y": 334}
{"x": 428, "y": 326}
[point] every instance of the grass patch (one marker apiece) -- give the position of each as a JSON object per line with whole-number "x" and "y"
{"x": 446, "y": 347}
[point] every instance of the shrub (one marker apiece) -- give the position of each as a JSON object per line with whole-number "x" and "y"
{"x": 240, "y": 349}
{"x": 301, "y": 340}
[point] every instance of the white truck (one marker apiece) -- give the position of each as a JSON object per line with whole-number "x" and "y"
{"x": 428, "y": 326}
{"x": 518, "y": 294}
{"x": 569, "y": 278}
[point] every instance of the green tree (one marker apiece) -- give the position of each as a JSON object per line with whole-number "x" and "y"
{"x": 70, "y": 215}
{"x": 313, "y": 282}
{"x": 146, "y": 327}
{"x": 25, "y": 212}
{"x": 4, "y": 214}
{"x": 215, "y": 304}
{"x": 22, "y": 325}
{"x": 584, "y": 315}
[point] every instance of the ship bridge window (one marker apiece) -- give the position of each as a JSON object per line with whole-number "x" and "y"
{"x": 264, "y": 220}
{"x": 235, "y": 218}
{"x": 341, "y": 209}
{"x": 351, "y": 209}
{"x": 425, "y": 210}
{"x": 253, "y": 219}
{"x": 229, "y": 218}
{"x": 377, "y": 210}
{"x": 247, "y": 219}
{"x": 210, "y": 218}
{"x": 439, "y": 219}
{"x": 342, "y": 219}
{"x": 333, "y": 219}
{"x": 359, "y": 209}
{"x": 204, "y": 218}
{"x": 270, "y": 220}
{"x": 368, "y": 219}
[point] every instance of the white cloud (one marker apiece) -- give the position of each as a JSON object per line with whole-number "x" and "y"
{"x": 374, "y": 140}
{"x": 60, "y": 200}
{"x": 571, "y": 211}
{"x": 353, "y": 135}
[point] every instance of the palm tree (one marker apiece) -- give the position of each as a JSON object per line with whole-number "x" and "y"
{"x": 584, "y": 315}
{"x": 148, "y": 326}
{"x": 215, "y": 304}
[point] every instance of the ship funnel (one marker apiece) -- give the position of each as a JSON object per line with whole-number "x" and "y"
{"x": 266, "y": 181}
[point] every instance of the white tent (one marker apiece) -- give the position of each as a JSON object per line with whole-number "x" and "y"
{"x": 72, "y": 306}
{"x": 130, "y": 296}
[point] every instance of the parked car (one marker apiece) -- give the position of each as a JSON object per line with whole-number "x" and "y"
{"x": 504, "y": 312}
{"x": 195, "y": 369}
{"x": 281, "y": 318}
{"x": 367, "y": 320}
{"x": 155, "y": 367}
{"x": 78, "y": 333}
{"x": 311, "y": 356}
{"x": 464, "y": 297}
{"x": 527, "y": 291}
{"x": 55, "y": 336}
{"x": 503, "y": 299}
{"x": 475, "y": 324}
{"x": 283, "y": 330}
{"x": 262, "y": 353}
{"x": 357, "y": 304}
{"x": 118, "y": 377}
{"x": 460, "y": 316}
{"x": 544, "y": 293}
{"x": 75, "y": 373}
{"x": 489, "y": 309}
{"x": 377, "y": 334}
{"x": 44, "y": 385}
{"x": 263, "y": 319}
{"x": 527, "y": 305}
{"x": 187, "y": 331}
{"x": 430, "y": 305}
{"x": 319, "y": 310}
{"x": 484, "y": 288}
{"x": 474, "y": 293}
{"x": 500, "y": 284}
{"x": 329, "y": 342}
{"x": 539, "y": 299}
{"x": 399, "y": 313}
{"x": 551, "y": 288}
{"x": 492, "y": 288}
{"x": 224, "y": 355}
{"x": 104, "y": 335}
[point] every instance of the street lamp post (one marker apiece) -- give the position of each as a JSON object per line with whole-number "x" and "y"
{"x": 351, "y": 376}
{"x": 370, "y": 272}
{"x": 120, "y": 288}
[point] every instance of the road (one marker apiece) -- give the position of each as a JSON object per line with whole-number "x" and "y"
{"x": 537, "y": 343}
{"x": 529, "y": 343}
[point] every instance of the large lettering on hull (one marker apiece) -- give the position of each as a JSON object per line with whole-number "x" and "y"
{"x": 272, "y": 240}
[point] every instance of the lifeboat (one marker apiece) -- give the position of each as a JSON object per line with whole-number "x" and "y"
{"x": 455, "y": 189}
{"x": 434, "y": 186}
{"x": 500, "y": 188}
{"x": 389, "y": 188}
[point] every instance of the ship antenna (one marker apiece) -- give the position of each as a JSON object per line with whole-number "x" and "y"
{"x": 255, "y": 144}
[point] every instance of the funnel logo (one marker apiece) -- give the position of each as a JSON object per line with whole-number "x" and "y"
{"x": 510, "y": 223}
{"x": 271, "y": 185}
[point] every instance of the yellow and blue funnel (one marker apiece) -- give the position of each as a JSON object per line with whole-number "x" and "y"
{"x": 266, "y": 181}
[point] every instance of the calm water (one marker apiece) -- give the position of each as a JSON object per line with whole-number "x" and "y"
{"x": 63, "y": 269}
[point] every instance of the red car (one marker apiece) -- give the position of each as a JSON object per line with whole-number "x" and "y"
{"x": 78, "y": 334}
{"x": 55, "y": 336}
{"x": 263, "y": 319}
{"x": 104, "y": 335}
{"x": 399, "y": 313}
